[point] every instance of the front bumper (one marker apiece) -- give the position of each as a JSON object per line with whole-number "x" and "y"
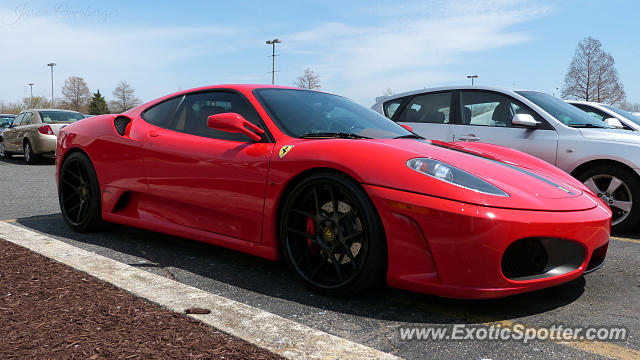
{"x": 454, "y": 249}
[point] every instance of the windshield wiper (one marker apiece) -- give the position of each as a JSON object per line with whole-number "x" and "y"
{"x": 340, "y": 135}
{"x": 409, "y": 136}
{"x": 586, "y": 125}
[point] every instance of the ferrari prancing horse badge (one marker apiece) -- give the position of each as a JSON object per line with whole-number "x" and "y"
{"x": 285, "y": 150}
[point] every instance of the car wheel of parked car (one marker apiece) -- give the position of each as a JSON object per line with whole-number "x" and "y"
{"x": 79, "y": 193}
{"x": 620, "y": 189}
{"x": 331, "y": 235}
{"x": 29, "y": 156}
{"x": 3, "y": 153}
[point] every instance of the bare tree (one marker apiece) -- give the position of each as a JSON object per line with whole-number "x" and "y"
{"x": 125, "y": 98}
{"x": 592, "y": 75}
{"x": 76, "y": 93}
{"x": 308, "y": 80}
{"x": 635, "y": 107}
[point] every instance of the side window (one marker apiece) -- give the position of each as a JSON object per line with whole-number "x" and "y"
{"x": 600, "y": 115}
{"x": 27, "y": 119}
{"x": 390, "y": 107}
{"x": 18, "y": 120}
{"x": 428, "y": 108}
{"x": 162, "y": 113}
{"x": 492, "y": 109}
{"x": 192, "y": 116}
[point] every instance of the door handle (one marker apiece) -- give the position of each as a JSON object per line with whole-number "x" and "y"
{"x": 469, "y": 137}
{"x": 153, "y": 134}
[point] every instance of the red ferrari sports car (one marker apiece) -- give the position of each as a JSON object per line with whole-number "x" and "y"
{"x": 347, "y": 197}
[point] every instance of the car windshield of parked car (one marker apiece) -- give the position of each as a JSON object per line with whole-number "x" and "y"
{"x": 625, "y": 114}
{"x": 5, "y": 121}
{"x": 312, "y": 114}
{"x": 60, "y": 116}
{"x": 566, "y": 113}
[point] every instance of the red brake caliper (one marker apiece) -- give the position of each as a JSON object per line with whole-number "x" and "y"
{"x": 311, "y": 229}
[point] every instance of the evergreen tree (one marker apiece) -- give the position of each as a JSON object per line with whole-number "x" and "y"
{"x": 98, "y": 104}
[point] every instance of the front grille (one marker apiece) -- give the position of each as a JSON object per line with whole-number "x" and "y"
{"x": 121, "y": 123}
{"x": 538, "y": 258}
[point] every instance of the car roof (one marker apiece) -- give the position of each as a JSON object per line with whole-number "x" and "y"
{"x": 446, "y": 88}
{"x": 583, "y": 102}
{"x": 49, "y": 110}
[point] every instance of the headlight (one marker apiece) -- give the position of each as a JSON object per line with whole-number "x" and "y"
{"x": 452, "y": 175}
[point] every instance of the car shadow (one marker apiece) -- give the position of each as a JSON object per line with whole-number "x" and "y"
{"x": 19, "y": 160}
{"x": 273, "y": 279}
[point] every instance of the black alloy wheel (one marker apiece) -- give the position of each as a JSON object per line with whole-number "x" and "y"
{"x": 79, "y": 193}
{"x": 332, "y": 237}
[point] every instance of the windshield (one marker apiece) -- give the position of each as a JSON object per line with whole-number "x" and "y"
{"x": 60, "y": 116}
{"x": 5, "y": 121}
{"x": 625, "y": 114}
{"x": 566, "y": 113}
{"x": 303, "y": 113}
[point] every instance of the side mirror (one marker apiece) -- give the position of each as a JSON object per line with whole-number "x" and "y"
{"x": 614, "y": 122}
{"x": 235, "y": 123}
{"x": 525, "y": 120}
{"x": 407, "y": 127}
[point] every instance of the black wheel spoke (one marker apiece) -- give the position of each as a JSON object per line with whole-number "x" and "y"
{"x": 301, "y": 233}
{"x": 315, "y": 198}
{"x": 304, "y": 257}
{"x": 79, "y": 212}
{"x": 333, "y": 201}
{"x": 353, "y": 236}
{"x": 303, "y": 213}
{"x": 74, "y": 175}
{"x": 70, "y": 197}
{"x": 74, "y": 207}
{"x": 318, "y": 268}
{"x": 347, "y": 250}
{"x": 336, "y": 267}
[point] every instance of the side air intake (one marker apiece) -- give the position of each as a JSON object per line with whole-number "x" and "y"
{"x": 121, "y": 123}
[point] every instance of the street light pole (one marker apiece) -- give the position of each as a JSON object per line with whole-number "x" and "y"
{"x": 472, "y": 77}
{"x": 273, "y": 58}
{"x": 52, "y": 65}
{"x": 31, "y": 99}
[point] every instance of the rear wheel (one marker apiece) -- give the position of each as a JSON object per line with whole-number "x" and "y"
{"x": 620, "y": 189}
{"x": 79, "y": 194}
{"x": 331, "y": 235}
{"x": 3, "y": 153}
{"x": 29, "y": 156}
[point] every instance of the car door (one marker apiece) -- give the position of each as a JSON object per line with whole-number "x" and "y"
{"x": 10, "y": 135}
{"x": 486, "y": 116}
{"x": 26, "y": 126}
{"x": 429, "y": 115}
{"x": 208, "y": 179}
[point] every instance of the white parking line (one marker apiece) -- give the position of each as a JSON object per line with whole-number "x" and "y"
{"x": 272, "y": 332}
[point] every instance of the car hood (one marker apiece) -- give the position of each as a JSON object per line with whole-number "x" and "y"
{"x": 613, "y": 135}
{"x": 531, "y": 183}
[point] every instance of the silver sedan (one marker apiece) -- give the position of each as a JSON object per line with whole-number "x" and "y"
{"x": 605, "y": 159}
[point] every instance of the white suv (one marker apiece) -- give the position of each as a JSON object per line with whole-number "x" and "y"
{"x": 605, "y": 159}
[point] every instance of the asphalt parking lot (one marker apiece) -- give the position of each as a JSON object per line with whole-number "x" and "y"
{"x": 607, "y": 297}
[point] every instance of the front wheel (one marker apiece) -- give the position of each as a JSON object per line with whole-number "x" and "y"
{"x": 620, "y": 189}
{"x": 331, "y": 235}
{"x": 79, "y": 194}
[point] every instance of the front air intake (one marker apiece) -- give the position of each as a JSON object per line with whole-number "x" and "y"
{"x": 120, "y": 123}
{"x": 539, "y": 258}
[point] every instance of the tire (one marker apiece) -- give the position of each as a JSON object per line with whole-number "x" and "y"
{"x": 620, "y": 189}
{"x": 337, "y": 253}
{"x": 29, "y": 156}
{"x": 3, "y": 153}
{"x": 79, "y": 194}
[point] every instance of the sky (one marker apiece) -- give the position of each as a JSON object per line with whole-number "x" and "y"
{"x": 358, "y": 48}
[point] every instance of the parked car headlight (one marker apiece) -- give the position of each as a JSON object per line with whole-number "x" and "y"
{"x": 452, "y": 175}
